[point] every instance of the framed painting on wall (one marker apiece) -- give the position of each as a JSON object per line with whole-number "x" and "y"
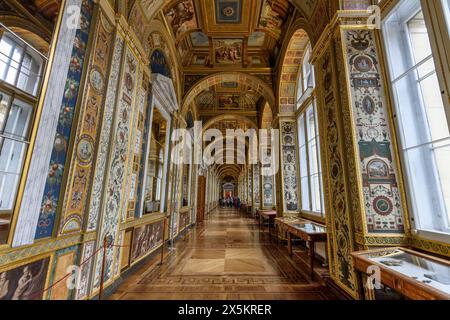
{"x": 26, "y": 282}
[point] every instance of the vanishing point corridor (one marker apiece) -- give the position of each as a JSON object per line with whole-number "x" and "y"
{"x": 227, "y": 258}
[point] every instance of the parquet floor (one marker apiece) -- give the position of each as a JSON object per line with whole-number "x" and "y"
{"x": 227, "y": 258}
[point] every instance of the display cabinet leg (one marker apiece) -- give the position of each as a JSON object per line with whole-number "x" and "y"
{"x": 289, "y": 244}
{"x": 360, "y": 281}
{"x": 163, "y": 241}
{"x": 311, "y": 258}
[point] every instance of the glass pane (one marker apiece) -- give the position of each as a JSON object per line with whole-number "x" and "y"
{"x": 18, "y": 120}
{"x": 446, "y": 7}
{"x": 311, "y": 122}
{"x": 303, "y": 162}
{"x": 4, "y": 102}
{"x": 305, "y": 194}
{"x": 425, "y": 187}
{"x": 29, "y": 76}
{"x": 434, "y": 107}
{"x": 301, "y": 130}
{"x": 414, "y": 123}
{"x": 313, "y": 157}
{"x": 442, "y": 157}
{"x": 315, "y": 193}
{"x": 398, "y": 38}
{"x": 418, "y": 33}
{"x": 11, "y": 160}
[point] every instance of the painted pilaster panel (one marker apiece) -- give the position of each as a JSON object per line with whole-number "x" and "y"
{"x": 86, "y": 142}
{"x": 117, "y": 169}
{"x": 376, "y": 169}
{"x": 131, "y": 179}
{"x": 87, "y": 257}
{"x": 105, "y": 136}
{"x": 58, "y": 108}
{"x": 256, "y": 186}
{"x": 337, "y": 204}
{"x": 250, "y": 185}
{"x": 289, "y": 166}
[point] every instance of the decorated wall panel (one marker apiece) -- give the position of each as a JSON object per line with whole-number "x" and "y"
{"x": 87, "y": 258}
{"x": 32, "y": 274}
{"x": 289, "y": 166}
{"x": 339, "y": 222}
{"x": 117, "y": 171}
{"x": 256, "y": 186}
{"x": 79, "y": 180}
{"x": 105, "y": 137}
{"x": 57, "y": 169}
{"x": 136, "y": 151}
{"x": 376, "y": 164}
{"x": 63, "y": 261}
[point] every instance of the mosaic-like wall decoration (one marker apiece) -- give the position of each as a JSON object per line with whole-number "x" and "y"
{"x": 57, "y": 168}
{"x": 87, "y": 257}
{"x": 174, "y": 200}
{"x": 147, "y": 114}
{"x": 250, "y": 185}
{"x": 63, "y": 261}
{"x": 104, "y": 144}
{"x": 134, "y": 160}
{"x": 339, "y": 222}
{"x": 256, "y": 185}
{"x": 117, "y": 171}
{"x": 267, "y": 181}
{"x": 291, "y": 64}
{"x": 90, "y": 117}
{"x": 289, "y": 166}
{"x": 33, "y": 274}
{"x": 382, "y": 200}
{"x": 117, "y": 255}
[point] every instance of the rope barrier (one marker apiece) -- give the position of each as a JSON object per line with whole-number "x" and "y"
{"x": 70, "y": 273}
{"x": 104, "y": 247}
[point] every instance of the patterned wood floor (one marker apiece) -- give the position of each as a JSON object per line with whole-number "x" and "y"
{"x": 226, "y": 258}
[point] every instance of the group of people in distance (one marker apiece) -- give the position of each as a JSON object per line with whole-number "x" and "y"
{"x": 230, "y": 202}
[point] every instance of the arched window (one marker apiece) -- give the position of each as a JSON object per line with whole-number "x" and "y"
{"x": 306, "y": 75}
{"x": 21, "y": 68}
{"x": 310, "y": 171}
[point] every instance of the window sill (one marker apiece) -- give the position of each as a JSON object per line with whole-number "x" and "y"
{"x": 432, "y": 235}
{"x": 313, "y": 216}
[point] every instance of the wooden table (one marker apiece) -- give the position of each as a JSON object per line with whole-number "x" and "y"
{"x": 270, "y": 217}
{"x": 412, "y": 274}
{"x": 308, "y": 231}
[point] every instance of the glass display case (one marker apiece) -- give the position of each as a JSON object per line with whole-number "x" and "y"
{"x": 410, "y": 273}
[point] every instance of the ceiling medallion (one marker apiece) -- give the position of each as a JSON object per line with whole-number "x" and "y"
{"x": 228, "y": 11}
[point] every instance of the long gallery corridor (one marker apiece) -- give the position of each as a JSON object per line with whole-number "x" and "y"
{"x": 128, "y": 126}
{"x": 228, "y": 258}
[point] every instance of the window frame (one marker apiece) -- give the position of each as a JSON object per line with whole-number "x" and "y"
{"x": 438, "y": 45}
{"x": 302, "y": 110}
{"x": 18, "y": 96}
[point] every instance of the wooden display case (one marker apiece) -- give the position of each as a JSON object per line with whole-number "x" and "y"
{"x": 412, "y": 274}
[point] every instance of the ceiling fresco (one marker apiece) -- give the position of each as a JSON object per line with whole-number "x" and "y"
{"x": 226, "y": 36}
{"x": 227, "y": 33}
{"x": 227, "y": 97}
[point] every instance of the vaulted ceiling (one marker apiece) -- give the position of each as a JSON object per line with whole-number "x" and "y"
{"x": 213, "y": 36}
{"x": 227, "y": 34}
{"x": 32, "y": 20}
